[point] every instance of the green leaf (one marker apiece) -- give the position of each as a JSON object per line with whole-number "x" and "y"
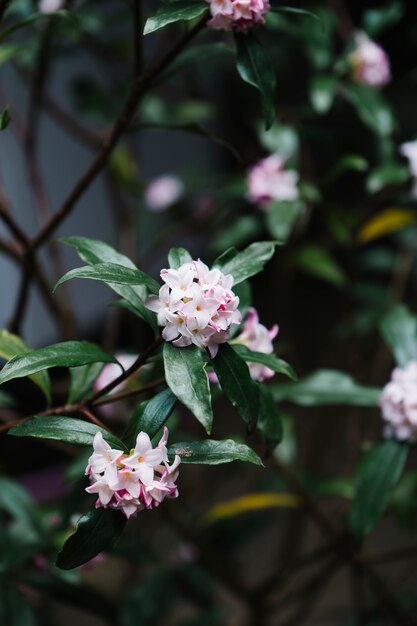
{"x": 82, "y": 381}
{"x": 247, "y": 263}
{"x": 376, "y": 21}
{"x": 270, "y": 419}
{"x": 377, "y": 476}
{"x": 237, "y": 384}
{"x": 185, "y": 373}
{"x": 17, "y": 502}
{"x": 92, "y": 251}
{"x": 326, "y": 387}
{"x": 97, "y": 530}
{"x": 297, "y": 11}
{"x": 150, "y": 416}
{"x": 399, "y": 329}
{"x": 177, "y": 257}
{"x": 170, "y": 12}
{"x": 65, "y": 354}
{"x": 256, "y": 69}
{"x": 8, "y": 51}
{"x": 14, "y": 607}
{"x": 372, "y": 108}
{"x": 281, "y": 217}
{"x": 404, "y": 501}
{"x": 237, "y": 233}
{"x": 210, "y": 452}
{"x": 26, "y": 22}
{"x": 322, "y": 92}
{"x": 5, "y": 119}
{"x": 270, "y": 360}
{"x": 12, "y": 345}
{"x": 62, "y": 428}
{"x": 204, "y": 52}
{"x": 111, "y": 273}
{"x": 319, "y": 263}
{"x": 387, "y": 174}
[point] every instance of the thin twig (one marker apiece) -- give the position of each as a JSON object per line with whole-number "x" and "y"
{"x": 129, "y": 393}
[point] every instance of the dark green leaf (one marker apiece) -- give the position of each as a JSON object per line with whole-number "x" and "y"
{"x": 270, "y": 360}
{"x": 404, "y": 501}
{"x": 111, "y": 273}
{"x": 256, "y": 69}
{"x": 269, "y": 422}
{"x": 211, "y": 452}
{"x": 66, "y": 354}
{"x": 170, "y": 12}
{"x": 150, "y": 416}
{"x": 399, "y": 329}
{"x": 204, "y": 52}
{"x": 6, "y": 400}
{"x": 318, "y": 262}
{"x": 237, "y": 384}
{"x": 185, "y": 372}
{"x": 377, "y": 476}
{"x": 32, "y": 18}
{"x": 237, "y": 233}
{"x": 379, "y": 19}
{"x": 82, "y": 381}
{"x": 62, "y": 428}
{"x": 372, "y": 108}
{"x": 322, "y": 92}
{"x": 247, "y": 263}
{"x": 5, "y": 119}
{"x": 387, "y": 174}
{"x": 178, "y": 256}
{"x": 16, "y": 501}
{"x": 14, "y": 607}
{"x": 281, "y": 217}
{"x": 97, "y": 530}
{"x": 297, "y": 11}
{"x": 326, "y": 387}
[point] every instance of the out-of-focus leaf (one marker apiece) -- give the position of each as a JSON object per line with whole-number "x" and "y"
{"x": 150, "y": 416}
{"x": 297, "y": 11}
{"x": 348, "y": 162}
{"x": 16, "y": 501}
{"x": 281, "y": 217}
{"x": 322, "y": 92}
{"x": 317, "y": 262}
{"x": 280, "y": 138}
{"x": 26, "y": 22}
{"x": 113, "y": 274}
{"x": 387, "y": 174}
{"x": 270, "y": 360}
{"x": 82, "y": 380}
{"x": 399, "y": 329}
{"x": 170, "y": 12}
{"x": 239, "y": 232}
{"x": 255, "y": 68}
{"x": 5, "y": 119}
{"x": 185, "y": 372}
{"x": 123, "y": 167}
{"x": 6, "y": 400}
{"x": 12, "y": 345}
{"x": 210, "y": 452}
{"x": 326, "y": 387}
{"x": 247, "y": 263}
{"x": 377, "y": 20}
{"x": 62, "y": 428}
{"x": 177, "y": 257}
{"x": 249, "y": 503}
{"x": 377, "y": 476}
{"x": 286, "y": 452}
{"x": 203, "y": 52}
{"x": 404, "y": 501}
{"x": 372, "y": 108}
{"x": 65, "y": 354}
{"x": 386, "y": 222}
{"x": 270, "y": 419}
{"x": 14, "y": 607}
{"x": 97, "y": 530}
{"x": 237, "y": 384}
{"x": 8, "y": 51}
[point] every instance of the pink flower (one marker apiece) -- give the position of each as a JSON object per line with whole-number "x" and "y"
{"x": 111, "y": 371}
{"x": 239, "y": 15}
{"x": 196, "y": 306}
{"x": 268, "y": 180}
{"x": 398, "y": 403}
{"x": 369, "y": 62}
{"x": 409, "y": 150}
{"x": 163, "y": 191}
{"x": 50, "y": 6}
{"x": 135, "y": 482}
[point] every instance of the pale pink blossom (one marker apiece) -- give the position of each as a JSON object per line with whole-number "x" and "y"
{"x": 163, "y": 191}
{"x": 50, "y": 6}
{"x": 268, "y": 181}
{"x": 398, "y": 403}
{"x": 409, "y": 150}
{"x": 111, "y": 371}
{"x": 131, "y": 483}
{"x": 196, "y": 306}
{"x": 369, "y": 62}
{"x": 239, "y": 15}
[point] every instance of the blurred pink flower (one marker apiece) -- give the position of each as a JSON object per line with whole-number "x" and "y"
{"x": 398, "y": 403}
{"x": 409, "y": 150}
{"x": 237, "y": 14}
{"x": 268, "y": 180}
{"x": 163, "y": 191}
{"x": 50, "y": 6}
{"x": 369, "y": 62}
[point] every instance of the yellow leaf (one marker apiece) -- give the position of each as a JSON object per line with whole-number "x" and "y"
{"x": 251, "y": 502}
{"x": 387, "y": 221}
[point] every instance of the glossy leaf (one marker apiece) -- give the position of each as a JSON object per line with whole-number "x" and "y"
{"x": 255, "y": 68}
{"x": 185, "y": 372}
{"x": 247, "y": 263}
{"x": 399, "y": 329}
{"x": 65, "y": 354}
{"x": 12, "y": 345}
{"x": 150, "y": 416}
{"x": 210, "y": 452}
{"x": 97, "y": 530}
{"x": 62, "y": 428}
{"x": 270, "y": 360}
{"x": 377, "y": 476}
{"x": 237, "y": 384}
{"x": 171, "y": 12}
{"x": 177, "y": 257}
{"x": 326, "y": 387}
{"x": 270, "y": 419}
{"x": 111, "y": 273}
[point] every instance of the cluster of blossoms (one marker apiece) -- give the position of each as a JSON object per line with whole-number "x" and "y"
{"x": 132, "y": 482}
{"x": 237, "y": 15}
{"x": 268, "y": 181}
{"x": 399, "y": 403}
{"x": 163, "y": 191}
{"x": 369, "y": 62}
{"x": 196, "y": 305}
{"x": 409, "y": 150}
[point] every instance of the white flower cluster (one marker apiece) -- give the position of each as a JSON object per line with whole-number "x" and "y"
{"x": 196, "y": 305}
{"x": 132, "y": 482}
{"x": 399, "y": 403}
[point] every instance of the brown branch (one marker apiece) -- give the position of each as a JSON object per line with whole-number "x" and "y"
{"x": 10, "y": 222}
{"x": 129, "y": 393}
{"x": 137, "y": 36}
{"x": 23, "y": 295}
